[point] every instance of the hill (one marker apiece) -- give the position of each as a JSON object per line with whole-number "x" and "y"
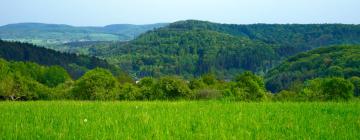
{"x": 168, "y": 51}
{"x": 76, "y": 65}
{"x": 45, "y": 34}
{"x": 337, "y": 61}
{"x": 191, "y": 48}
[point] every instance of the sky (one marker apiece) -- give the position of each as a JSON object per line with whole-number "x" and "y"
{"x": 104, "y": 12}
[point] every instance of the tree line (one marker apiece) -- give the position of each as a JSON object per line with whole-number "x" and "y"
{"x": 30, "y": 81}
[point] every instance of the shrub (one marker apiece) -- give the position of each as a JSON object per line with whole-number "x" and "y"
{"x": 196, "y": 84}
{"x": 54, "y": 76}
{"x": 209, "y": 79}
{"x": 149, "y": 90}
{"x": 208, "y": 94}
{"x": 356, "y": 82}
{"x": 252, "y": 87}
{"x": 338, "y": 89}
{"x": 174, "y": 88}
{"x": 17, "y": 87}
{"x": 328, "y": 89}
{"x": 285, "y": 95}
{"x": 129, "y": 92}
{"x": 96, "y": 84}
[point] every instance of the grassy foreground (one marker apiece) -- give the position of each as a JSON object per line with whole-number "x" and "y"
{"x": 178, "y": 120}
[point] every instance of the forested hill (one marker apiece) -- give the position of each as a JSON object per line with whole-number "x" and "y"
{"x": 48, "y": 34}
{"x": 337, "y": 61}
{"x": 76, "y": 65}
{"x": 191, "y": 48}
{"x": 168, "y": 51}
{"x": 292, "y": 38}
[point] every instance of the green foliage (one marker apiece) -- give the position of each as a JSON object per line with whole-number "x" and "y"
{"x": 252, "y": 86}
{"x": 16, "y": 87}
{"x": 54, "y": 76}
{"x": 338, "y": 89}
{"x": 328, "y": 89}
{"x": 285, "y": 95}
{"x": 76, "y": 65}
{"x": 209, "y": 79}
{"x": 189, "y": 53}
{"x": 208, "y": 94}
{"x": 246, "y": 87}
{"x": 338, "y": 61}
{"x": 174, "y": 88}
{"x": 356, "y": 82}
{"x": 192, "y": 48}
{"x": 63, "y": 91}
{"x": 22, "y": 81}
{"x": 149, "y": 90}
{"x": 129, "y": 92}
{"x": 96, "y": 84}
{"x": 196, "y": 84}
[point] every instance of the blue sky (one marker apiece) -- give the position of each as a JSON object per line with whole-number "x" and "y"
{"x": 103, "y": 12}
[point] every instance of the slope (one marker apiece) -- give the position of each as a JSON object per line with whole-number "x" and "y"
{"x": 76, "y": 65}
{"x": 339, "y": 61}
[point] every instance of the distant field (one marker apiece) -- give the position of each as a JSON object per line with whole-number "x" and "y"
{"x": 178, "y": 120}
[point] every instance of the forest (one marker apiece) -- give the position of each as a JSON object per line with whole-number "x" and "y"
{"x": 339, "y": 82}
{"x": 191, "y": 48}
{"x": 192, "y": 60}
{"x": 76, "y": 65}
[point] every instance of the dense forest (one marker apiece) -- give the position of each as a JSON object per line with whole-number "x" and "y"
{"x": 76, "y": 65}
{"x": 337, "y": 61}
{"x": 192, "y": 48}
{"x": 192, "y": 60}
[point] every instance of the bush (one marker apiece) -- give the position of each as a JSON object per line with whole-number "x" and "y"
{"x": 209, "y": 79}
{"x": 97, "y": 84}
{"x": 252, "y": 87}
{"x": 285, "y": 95}
{"x": 54, "y": 76}
{"x": 174, "y": 88}
{"x": 129, "y": 92}
{"x": 196, "y": 84}
{"x": 148, "y": 89}
{"x": 328, "y": 89}
{"x": 356, "y": 82}
{"x": 208, "y": 94}
{"x": 17, "y": 87}
{"x": 63, "y": 91}
{"x": 338, "y": 89}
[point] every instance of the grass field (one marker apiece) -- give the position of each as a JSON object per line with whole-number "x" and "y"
{"x": 178, "y": 120}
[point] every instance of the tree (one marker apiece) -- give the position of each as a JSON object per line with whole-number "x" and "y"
{"x": 356, "y": 82}
{"x": 54, "y": 76}
{"x": 129, "y": 92}
{"x": 149, "y": 90}
{"x": 16, "y": 87}
{"x": 335, "y": 71}
{"x": 196, "y": 84}
{"x": 252, "y": 86}
{"x": 209, "y": 79}
{"x": 97, "y": 84}
{"x": 174, "y": 88}
{"x": 333, "y": 88}
{"x": 338, "y": 89}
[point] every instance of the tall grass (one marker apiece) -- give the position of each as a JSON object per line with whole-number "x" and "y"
{"x": 178, "y": 120}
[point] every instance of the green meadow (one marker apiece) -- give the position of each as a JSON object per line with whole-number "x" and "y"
{"x": 179, "y": 120}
